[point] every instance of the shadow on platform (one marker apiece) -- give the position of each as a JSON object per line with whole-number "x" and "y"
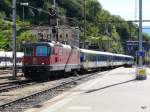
{"x": 94, "y": 90}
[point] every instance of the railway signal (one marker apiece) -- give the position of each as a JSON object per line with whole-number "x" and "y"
{"x": 52, "y": 16}
{"x": 52, "y": 13}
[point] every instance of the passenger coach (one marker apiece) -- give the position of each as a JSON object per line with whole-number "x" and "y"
{"x": 95, "y": 59}
{"x": 6, "y": 59}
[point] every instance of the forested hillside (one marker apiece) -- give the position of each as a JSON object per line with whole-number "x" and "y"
{"x": 107, "y": 31}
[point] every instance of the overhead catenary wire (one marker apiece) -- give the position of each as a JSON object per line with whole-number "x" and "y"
{"x": 37, "y": 9}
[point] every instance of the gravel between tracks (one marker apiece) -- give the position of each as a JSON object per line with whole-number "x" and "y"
{"x": 20, "y": 93}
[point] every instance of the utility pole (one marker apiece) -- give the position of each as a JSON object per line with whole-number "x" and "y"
{"x": 84, "y": 23}
{"x": 141, "y": 72}
{"x": 14, "y": 38}
{"x": 140, "y": 33}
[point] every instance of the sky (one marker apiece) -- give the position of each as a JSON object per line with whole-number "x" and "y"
{"x": 126, "y": 9}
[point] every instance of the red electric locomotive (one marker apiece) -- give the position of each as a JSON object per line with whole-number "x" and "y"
{"x": 44, "y": 58}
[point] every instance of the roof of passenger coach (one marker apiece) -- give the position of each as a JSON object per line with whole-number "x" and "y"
{"x": 129, "y": 56}
{"x": 2, "y": 54}
{"x": 9, "y": 54}
{"x": 20, "y": 54}
{"x": 122, "y": 55}
{"x": 95, "y": 52}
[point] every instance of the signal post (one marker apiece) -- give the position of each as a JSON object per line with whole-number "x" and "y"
{"x": 53, "y": 20}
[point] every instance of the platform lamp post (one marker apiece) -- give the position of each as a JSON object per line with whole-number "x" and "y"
{"x": 141, "y": 71}
{"x": 14, "y": 38}
{"x": 23, "y": 4}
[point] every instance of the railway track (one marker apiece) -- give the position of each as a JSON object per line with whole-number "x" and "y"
{"x": 8, "y": 86}
{"x": 7, "y": 74}
{"x": 6, "y": 71}
{"x": 20, "y": 104}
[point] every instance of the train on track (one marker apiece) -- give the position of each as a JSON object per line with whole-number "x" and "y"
{"x": 6, "y": 59}
{"x": 42, "y": 59}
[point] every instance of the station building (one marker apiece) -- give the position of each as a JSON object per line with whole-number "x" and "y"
{"x": 66, "y": 34}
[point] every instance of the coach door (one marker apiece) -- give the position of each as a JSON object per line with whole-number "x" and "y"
{"x": 110, "y": 60}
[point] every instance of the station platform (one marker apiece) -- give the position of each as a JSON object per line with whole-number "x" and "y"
{"x": 116, "y": 91}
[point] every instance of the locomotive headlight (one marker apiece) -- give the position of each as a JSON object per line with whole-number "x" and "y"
{"x": 43, "y": 63}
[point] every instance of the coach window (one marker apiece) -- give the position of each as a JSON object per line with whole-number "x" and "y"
{"x": 94, "y": 58}
{"x": 102, "y": 58}
{"x": 90, "y": 57}
{"x": 116, "y": 58}
{"x": 10, "y": 59}
{"x": 0, "y": 59}
{"x": 81, "y": 56}
{"x": 98, "y": 58}
{"x": 86, "y": 55}
{"x": 127, "y": 59}
{"x": 106, "y": 57}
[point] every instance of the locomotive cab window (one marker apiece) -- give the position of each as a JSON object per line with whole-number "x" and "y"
{"x": 42, "y": 51}
{"x": 28, "y": 51}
